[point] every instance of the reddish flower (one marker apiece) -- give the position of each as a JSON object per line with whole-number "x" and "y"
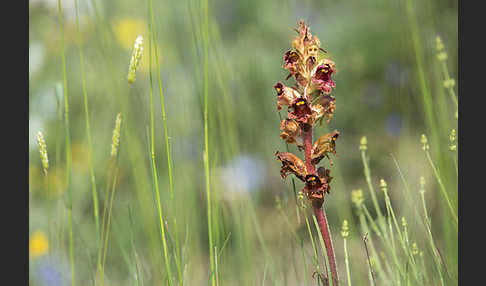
{"x": 291, "y": 59}
{"x": 322, "y": 77}
{"x": 291, "y": 164}
{"x": 315, "y": 188}
{"x": 285, "y": 95}
{"x": 301, "y": 110}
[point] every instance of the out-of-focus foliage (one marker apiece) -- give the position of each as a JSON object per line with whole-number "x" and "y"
{"x": 379, "y": 94}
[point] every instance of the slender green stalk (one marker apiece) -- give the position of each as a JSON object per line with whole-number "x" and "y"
{"x": 69, "y": 202}
{"x": 205, "y": 35}
{"x": 154, "y": 168}
{"x": 364, "y": 230}
{"x": 316, "y": 259}
{"x": 367, "y": 174}
{"x": 138, "y": 276}
{"x": 442, "y": 188}
{"x": 383, "y": 239}
{"x": 369, "y": 260}
{"x": 427, "y": 98}
{"x": 164, "y": 118}
{"x": 88, "y": 129}
{"x": 346, "y": 261}
{"x": 429, "y": 234}
{"x": 105, "y": 247}
{"x": 71, "y": 245}
{"x": 166, "y": 138}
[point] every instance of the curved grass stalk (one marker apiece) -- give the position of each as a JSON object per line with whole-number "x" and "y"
{"x": 367, "y": 174}
{"x": 69, "y": 201}
{"x": 167, "y": 145}
{"x": 206, "y": 139}
{"x": 430, "y": 237}
{"x": 88, "y": 129}
{"x": 154, "y": 168}
{"x": 443, "y": 190}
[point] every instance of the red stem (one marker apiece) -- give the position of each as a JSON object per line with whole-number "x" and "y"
{"x": 319, "y": 211}
{"x": 308, "y": 150}
{"x": 321, "y": 220}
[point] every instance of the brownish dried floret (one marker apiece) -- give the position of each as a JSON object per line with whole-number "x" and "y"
{"x": 291, "y": 164}
{"x": 305, "y": 43}
{"x": 291, "y": 132}
{"x": 328, "y": 102}
{"x": 324, "y": 145}
{"x": 317, "y": 112}
{"x": 324, "y": 174}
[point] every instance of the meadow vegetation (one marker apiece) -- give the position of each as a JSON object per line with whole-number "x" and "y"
{"x": 151, "y": 158}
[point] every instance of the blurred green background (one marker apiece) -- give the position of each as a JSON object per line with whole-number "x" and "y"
{"x": 389, "y": 87}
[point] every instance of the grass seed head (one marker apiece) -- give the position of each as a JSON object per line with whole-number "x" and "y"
{"x": 135, "y": 59}
{"x": 43, "y": 151}
{"x": 115, "y": 141}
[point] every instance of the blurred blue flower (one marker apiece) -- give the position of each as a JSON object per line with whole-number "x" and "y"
{"x": 49, "y": 271}
{"x": 393, "y": 124}
{"x": 243, "y": 175}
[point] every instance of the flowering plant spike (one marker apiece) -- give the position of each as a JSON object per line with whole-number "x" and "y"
{"x": 308, "y": 102}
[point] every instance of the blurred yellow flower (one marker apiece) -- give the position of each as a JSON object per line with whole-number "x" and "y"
{"x": 39, "y": 244}
{"x": 126, "y": 31}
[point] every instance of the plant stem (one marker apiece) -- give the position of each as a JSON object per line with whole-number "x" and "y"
{"x": 69, "y": 201}
{"x": 326, "y": 236}
{"x": 206, "y": 139}
{"x": 308, "y": 151}
{"x": 88, "y": 129}
{"x": 319, "y": 211}
{"x": 346, "y": 260}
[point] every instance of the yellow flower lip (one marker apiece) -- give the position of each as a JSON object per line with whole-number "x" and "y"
{"x": 300, "y": 103}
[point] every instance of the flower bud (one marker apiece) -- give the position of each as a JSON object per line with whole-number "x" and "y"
{"x": 424, "y": 141}
{"x": 363, "y": 144}
{"x": 345, "y": 229}
{"x": 357, "y": 197}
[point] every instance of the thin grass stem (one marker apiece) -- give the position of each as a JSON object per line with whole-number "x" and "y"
{"x": 69, "y": 201}
{"x": 443, "y": 189}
